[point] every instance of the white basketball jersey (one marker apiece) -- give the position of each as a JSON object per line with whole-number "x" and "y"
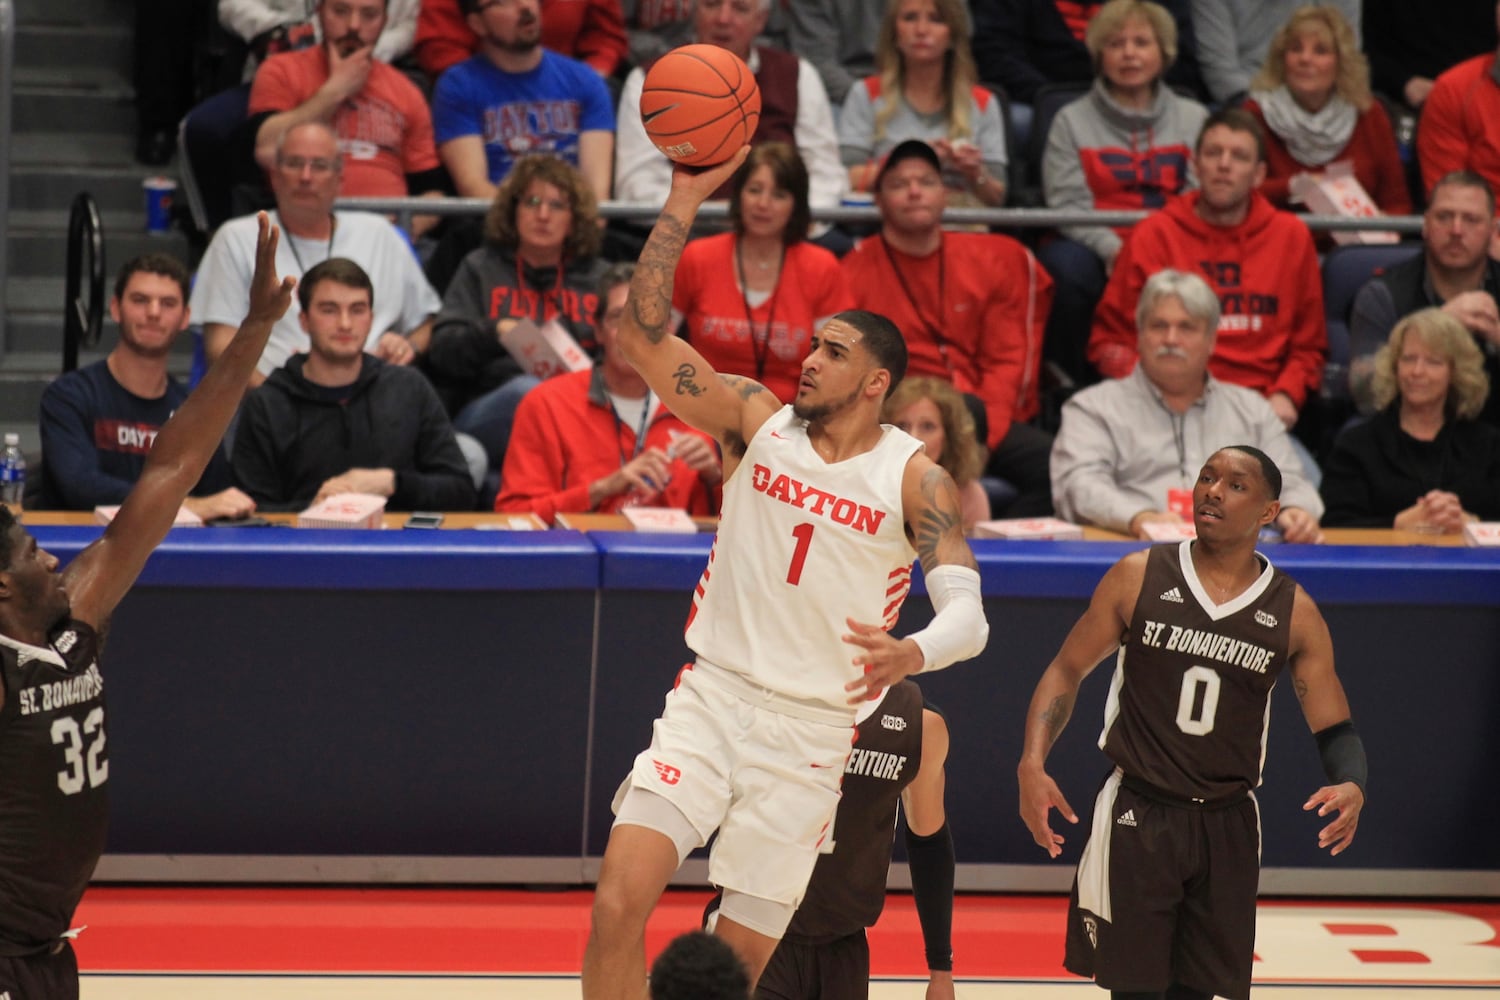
{"x": 802, "y": 546}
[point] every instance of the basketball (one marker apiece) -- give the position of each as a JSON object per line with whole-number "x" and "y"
{"x": 700, "y": 104}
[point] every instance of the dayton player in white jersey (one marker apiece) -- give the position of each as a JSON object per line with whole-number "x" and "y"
{"x": 824, "y": 510}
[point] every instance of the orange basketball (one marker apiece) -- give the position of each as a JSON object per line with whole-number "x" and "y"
{"x": 700, "y": 104}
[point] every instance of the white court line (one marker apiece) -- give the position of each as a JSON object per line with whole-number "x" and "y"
{"x": 142, "y": 986}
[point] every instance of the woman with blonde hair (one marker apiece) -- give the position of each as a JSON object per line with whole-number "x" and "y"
{"x": 539, "y": 262}
{"x": 1312, "y": 98}
{"x": 934, "y": 412}
{"x": 927, "y": 88}
{"x": 1423, "y": 463}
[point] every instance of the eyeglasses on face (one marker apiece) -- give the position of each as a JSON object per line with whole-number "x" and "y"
{"x": 535, "y": 203}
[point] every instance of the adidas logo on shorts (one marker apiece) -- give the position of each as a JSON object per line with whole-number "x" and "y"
{"x": 1128, "y": 818}
{"x": 1174, "y": 596}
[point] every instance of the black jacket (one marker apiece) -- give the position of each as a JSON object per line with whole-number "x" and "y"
{"x": 1377, "y": 470}
{"x": 294, "y": 435}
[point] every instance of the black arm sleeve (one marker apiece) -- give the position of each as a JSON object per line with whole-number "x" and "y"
{"x": 1343, "y": 754}
{"x": 932, "y": 862}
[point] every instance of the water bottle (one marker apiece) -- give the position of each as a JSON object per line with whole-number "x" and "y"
{"x": 12, "y": 473}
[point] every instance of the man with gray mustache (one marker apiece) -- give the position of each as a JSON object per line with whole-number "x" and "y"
{"x": 1129, "y": 449}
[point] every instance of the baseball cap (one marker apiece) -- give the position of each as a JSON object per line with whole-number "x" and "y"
{"x": 909, "y": 149}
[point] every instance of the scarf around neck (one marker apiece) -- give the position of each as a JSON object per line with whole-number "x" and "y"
{"x": 1313, "y": 138}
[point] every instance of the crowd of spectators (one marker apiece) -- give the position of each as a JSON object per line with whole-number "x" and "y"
{"x": 1215, "y": 117}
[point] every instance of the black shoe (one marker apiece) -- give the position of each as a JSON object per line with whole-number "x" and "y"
{"x": 154, "y": 147}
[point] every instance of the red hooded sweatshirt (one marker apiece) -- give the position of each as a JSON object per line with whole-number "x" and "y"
{"x": 1272, "y": 336}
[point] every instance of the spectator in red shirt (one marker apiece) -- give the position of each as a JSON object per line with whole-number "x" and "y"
{"x": 1312, "y": 98}
{"x": 600, "y": 440}
{"x": 382, "y": 121}
{"x": 751, "y": 299}
{"x": 591, "y": 31}
{"x": 972, "y": 307}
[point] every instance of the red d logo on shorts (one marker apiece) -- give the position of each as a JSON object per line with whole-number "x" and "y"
{"x": 668, "y": 774}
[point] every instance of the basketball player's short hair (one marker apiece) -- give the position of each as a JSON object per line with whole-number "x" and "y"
{"x": 1268, "y": 470}
{"x": 7, "y": 521}
{"x": 339, "y": 270}
{"x": 162, "y": 264}
{"x": 882, "y": 339}
{"x": 699, "y": 966}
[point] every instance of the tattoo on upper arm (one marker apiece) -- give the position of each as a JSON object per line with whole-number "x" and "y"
{"x": 1300, "y": 686}
{"x": 744, "y": 388}
{"x": 651, "y": 288}
{"x": 1055, "y": 716}
{"x": 684, "y": 375}
{"x": 940, "y": 519}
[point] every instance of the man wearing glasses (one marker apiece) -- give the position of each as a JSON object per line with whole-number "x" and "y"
{"x": 514, "y": 98}
{"x": 305, "y": 177}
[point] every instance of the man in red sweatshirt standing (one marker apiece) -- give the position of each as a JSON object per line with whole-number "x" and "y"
{"x": 1260, "y": 262}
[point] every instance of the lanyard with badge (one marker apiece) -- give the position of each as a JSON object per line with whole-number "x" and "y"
{"x": 933, "y": 329}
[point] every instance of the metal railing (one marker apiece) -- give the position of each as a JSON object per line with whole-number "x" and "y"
{"x": 7, "y": 67}
{"x": 1008, "y": 218}
{"x": 83, "y": 320}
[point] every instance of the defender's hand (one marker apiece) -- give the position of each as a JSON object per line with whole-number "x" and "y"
{"x": 1347, "y": 800}
{"x": 269, "y": 297}
{"x": 1039, "y": 794}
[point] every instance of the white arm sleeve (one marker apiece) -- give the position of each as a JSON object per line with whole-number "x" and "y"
{"x": 959, "y": 630}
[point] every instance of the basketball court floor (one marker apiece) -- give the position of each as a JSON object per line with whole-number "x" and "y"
{"x": 404, "y": 944}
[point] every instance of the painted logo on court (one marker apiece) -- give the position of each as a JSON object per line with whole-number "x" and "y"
{"x": 668, "y": 774}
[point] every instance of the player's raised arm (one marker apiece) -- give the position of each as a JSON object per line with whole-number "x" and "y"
{"x": 1093, "y": 637}
{"x": 1326, "y": 708}
{"x": 730, "y": 408}
{"x": 102, "y": 573}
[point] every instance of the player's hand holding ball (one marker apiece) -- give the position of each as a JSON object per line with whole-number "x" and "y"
{"x": 700, "y": 104}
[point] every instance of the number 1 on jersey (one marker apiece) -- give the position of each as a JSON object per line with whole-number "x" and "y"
{"x": 803, "y": 534}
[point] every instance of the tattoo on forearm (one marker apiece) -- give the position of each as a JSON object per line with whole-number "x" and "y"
{"x": 743, "y": 387}
{"x": 1055, "y": 716}
{"x": 684, "y": 375}
{"x": 651, "y": 288}
{"x": 940, "y": 518}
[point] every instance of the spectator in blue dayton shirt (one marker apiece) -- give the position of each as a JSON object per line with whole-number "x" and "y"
{"x": 98, "y": 423}
{"x": 514, "y": 98}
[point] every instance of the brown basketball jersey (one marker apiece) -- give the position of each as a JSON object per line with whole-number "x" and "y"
{"x": 1190, "y": 702}
{"x": 847, "y": 889}
{"x": 54, "y": 769}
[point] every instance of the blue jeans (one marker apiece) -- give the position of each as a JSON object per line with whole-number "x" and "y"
{"x": 1078, "y": 280}
{"x": 488, "y": 418}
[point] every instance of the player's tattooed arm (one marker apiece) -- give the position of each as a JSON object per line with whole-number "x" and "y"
{"x": 939, "y": 531}
{"x": 1054, "y": 716}
{"x": 651, "y": 287}
{"x": 743, "y": 387}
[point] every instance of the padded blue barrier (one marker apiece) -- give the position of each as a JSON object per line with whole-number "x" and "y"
{"x": 1377, "y": 574}
{"x": 357, "y": 560}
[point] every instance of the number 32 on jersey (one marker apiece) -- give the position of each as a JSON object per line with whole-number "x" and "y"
{"x": 83, "y": 748}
